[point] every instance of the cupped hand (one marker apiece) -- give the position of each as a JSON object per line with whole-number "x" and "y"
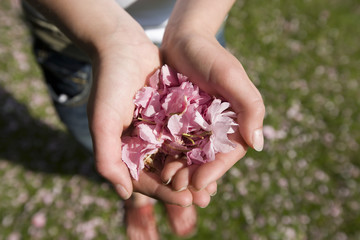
{"x": 122, "y": 59}
{"x": 119, "y": 71}
{"x": 219, "y": 73}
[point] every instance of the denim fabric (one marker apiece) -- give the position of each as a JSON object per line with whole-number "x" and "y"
{"x": 220, "y": 36}
{"x": 69, "y": 82}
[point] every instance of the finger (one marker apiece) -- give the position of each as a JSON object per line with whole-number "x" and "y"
{"x": 200, "y": 198}
{"x": 212, "y": 171}
{"x": 107, "y": 151}
{"x": 230, "y": 79}
{"x": 150, "y": 184}
{"x": 218, "y": 72}
{"x": 182, "y": 178}
{"x": 212, "y": 189}
{"x": 171, "y": 166}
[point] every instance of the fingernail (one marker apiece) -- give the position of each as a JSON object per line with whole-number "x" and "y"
{"x": 178, "y": 204}
{"x": 167, "y": 182}
{"x": 258, "y": 140}
{"x": 213, "y": 194}
{"x": 199, "y": 189}
{"x": 181, "y": 189}
{"x": 184, "y": 206}
{"x": 122, "y": 192}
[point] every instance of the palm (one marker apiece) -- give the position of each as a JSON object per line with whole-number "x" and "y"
{"x": 219, "y": 73}
{"x": 117, "y": 77}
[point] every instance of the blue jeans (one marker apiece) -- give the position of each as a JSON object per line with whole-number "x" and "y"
{"x": 69, "y": 81}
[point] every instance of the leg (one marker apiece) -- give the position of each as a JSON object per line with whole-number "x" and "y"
{"x": 182, "y": 219}
{"x": 139, "y": 218}
{"x": 69, "y": 82}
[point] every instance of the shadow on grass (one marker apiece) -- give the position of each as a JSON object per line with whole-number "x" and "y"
{"x": 37, "y": 146}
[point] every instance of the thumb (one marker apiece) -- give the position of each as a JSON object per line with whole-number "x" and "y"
{"x": 234, "y": 84}
{"x": 250, "y": 120}
{"x": 106, "y": 135}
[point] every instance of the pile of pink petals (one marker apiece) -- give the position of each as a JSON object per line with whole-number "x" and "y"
{"x": 174, "y": 117}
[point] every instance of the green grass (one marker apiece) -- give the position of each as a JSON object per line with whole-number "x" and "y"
{"x": 303, "y": 56}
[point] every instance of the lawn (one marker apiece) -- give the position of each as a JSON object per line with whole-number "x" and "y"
{"x": 304, "y": 57}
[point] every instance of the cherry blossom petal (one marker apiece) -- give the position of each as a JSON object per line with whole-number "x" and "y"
{"x": 153, "y": 107}
{"x": 175, "y": 125}
{"x": 174, "y": 117}
{"x": 220, "y": 138}
{"x": 143, "y": 96}
{"x": 134, "y": 151}
{"x": 201, "y": 121}
{"x": 147, "y": 133}
{"x": 169, "y": 76}
{"x": 209, "y": 151}
{"x": 195, "y": 156}
{"x": 154, "y": 80}
{"x": 174, "y": 103}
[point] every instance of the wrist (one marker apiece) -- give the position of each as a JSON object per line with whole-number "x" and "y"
{"x": 203, "y": 17}
{"x": 183, "y": 30}
{"x": 97, "y": 26}
{"x": 116, "y": 32}
{"x": 124, "y": 41}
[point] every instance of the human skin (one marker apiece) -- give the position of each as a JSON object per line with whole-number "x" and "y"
{"x": 190, "y": 46}
{"x": 123, "y": 58}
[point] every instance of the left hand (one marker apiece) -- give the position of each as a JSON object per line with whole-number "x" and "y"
{"x": 197, "y": 54}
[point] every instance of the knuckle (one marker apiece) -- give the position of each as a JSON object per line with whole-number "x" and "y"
{"x": 254, "y": 106}
{"x": 232, "y": 73}
{"x": 185, "y": 201}
{"x": 259, "y": 107}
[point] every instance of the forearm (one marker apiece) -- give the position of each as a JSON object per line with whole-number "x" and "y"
{"x": 197, "y": 16}
{"x": 91, "y": 24}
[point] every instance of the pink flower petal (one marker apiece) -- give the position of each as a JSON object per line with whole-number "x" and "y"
{"x": 209, "y": 151}
{"x": 182, "y": 78}
{"x": 220, "y": 138}
{"x": 153, "y": 107}
{"x": 195, "y": 156}
{"x": 175, "y": 117}
{"x": 168, "y": 76}
{"x": 174, "y": 103}
{"x": 201, "y": 121}
{"x": 143, "y": 96}
{"x": 38, "y": 220}
{"x": 134, "y": 151}
{"x": 154, "y": 80}
{"x": 175, "y": 125}
{"x": 147, "y": 133}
